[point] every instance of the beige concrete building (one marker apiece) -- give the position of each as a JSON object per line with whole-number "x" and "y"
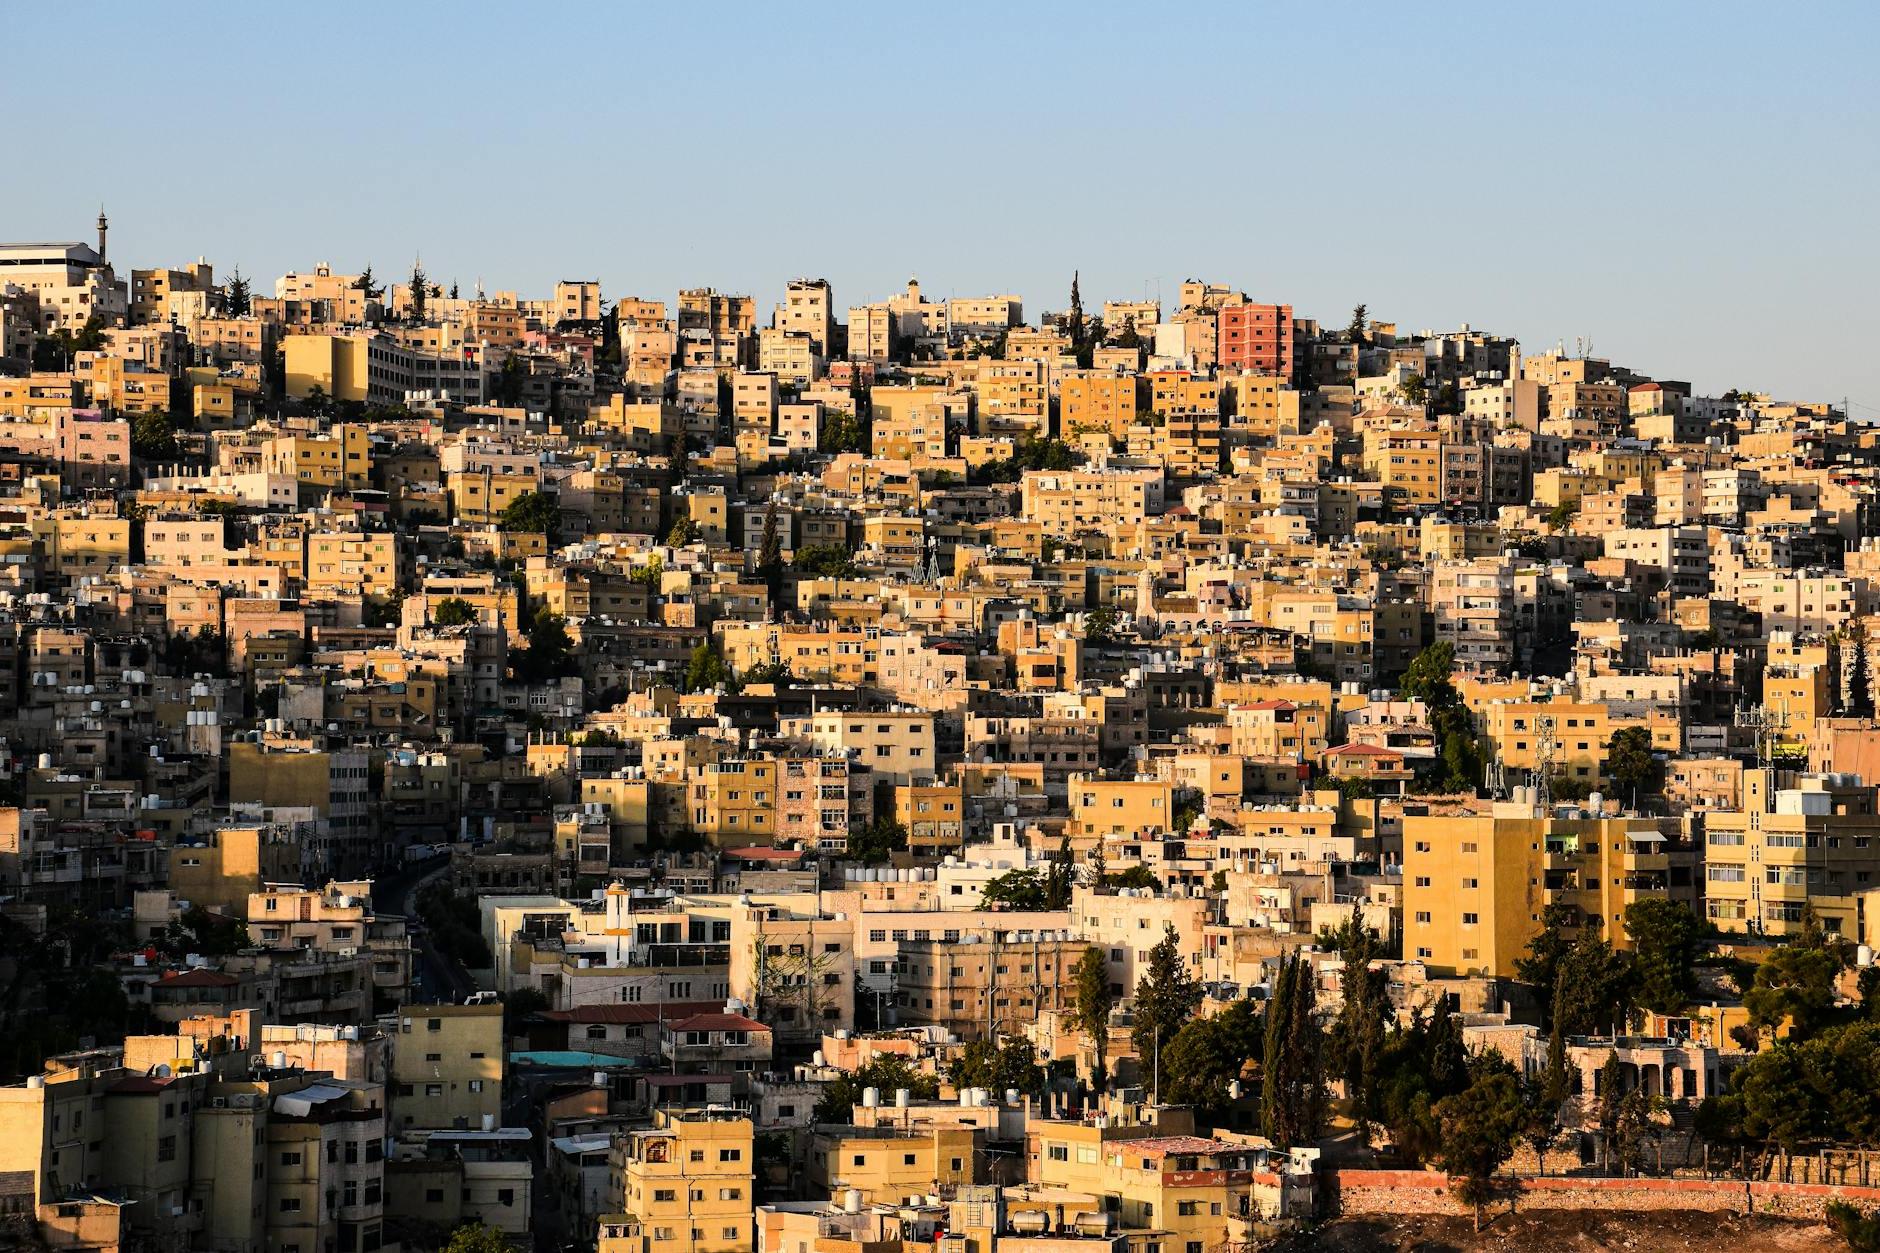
{"x": 447, "y": 1067}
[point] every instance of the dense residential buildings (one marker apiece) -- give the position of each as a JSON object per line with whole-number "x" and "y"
{"x": 640, "y": 773}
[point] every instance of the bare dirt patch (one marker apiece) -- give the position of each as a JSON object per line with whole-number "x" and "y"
{"x": 1566, "y": 1231}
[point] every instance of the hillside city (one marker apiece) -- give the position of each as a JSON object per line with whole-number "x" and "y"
{"x": 592, "y": 771}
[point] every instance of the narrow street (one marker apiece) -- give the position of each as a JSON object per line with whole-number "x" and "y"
{"x": 436, "y": 977}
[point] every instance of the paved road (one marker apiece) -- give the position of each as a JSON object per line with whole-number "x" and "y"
{"x": 436, "y": 977}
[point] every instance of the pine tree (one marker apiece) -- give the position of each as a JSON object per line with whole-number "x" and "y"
{"x": 235, "y": 294}
{"x": 1166, "y": 996}
{"x": 420, "y": 290}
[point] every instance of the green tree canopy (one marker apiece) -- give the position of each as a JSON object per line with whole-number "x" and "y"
{"x": 649, "y": 573}
{"x": 1540, "y": 966}
{"x": 1010, "y": 1063}
{"x": 550, "y": 654}
{"x": 1596, "y": 982}
{"x": 1795, "y": 983}
{"x": 153, "y": 438}
{"x": 706, "y": 669}
{"x": 1136, "y": 876}
{"x": 830, "y": 561}
{"x": 1208, "y": 1054}
{"x": 1667, "y": 940}
{"x": 453, "y": 611}
{"x": 1631, "y": 765}
{"x": 841, "y": 432}
{"x": 877, "y": 842}
{"x": 477, "y": 1238}
{"x": 1166, "y": 996}
{"x": 1358, "y": 1035}
{"x": 1292, "y": 1086}
{"x": 888, "y": 1073}
{"x": 533, "y": 512}
{"x": 772, "y": 672}
{"x": 1015, "y": 889}
{"x": 1479, "y": 1126}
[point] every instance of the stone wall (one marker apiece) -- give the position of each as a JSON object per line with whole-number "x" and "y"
{"x": 1357, "y": 1192}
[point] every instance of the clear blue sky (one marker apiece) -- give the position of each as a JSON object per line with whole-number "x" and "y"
{"x": 1693, "y": 186}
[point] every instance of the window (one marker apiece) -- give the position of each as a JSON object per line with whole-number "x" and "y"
{"x": 1469, "y": 920}
{"x": 290, "y": 1205}
{"x": 665, "y": 1194}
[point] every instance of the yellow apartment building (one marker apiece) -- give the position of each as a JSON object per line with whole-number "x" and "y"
{"x": 1014, "y": 398}
{"x": 447, "y": 1067}
{"x": 351, "y": 563}
{"x": 1099, "y": 402}
{"x": 988, "y": 982}
{"x": 898, "y": 745}
{"x": 1113, "y": 808}
{"x": 340, "y": 458}
{"x": 734, "y": 802}
{"x": 220, "y": 869}
{"x": 76, "y": 545}
{"x": 1798, "y": 844}
{"x": 795, "y": 969}
{"x": 1194, "y": 1192}
{"x": 887, "y": 1164}
{"x": 366, "y": 368}
{"x": 1475, "y": 886}
{"x": 1064, "y": 502}
{"x": 1573, "y": 734}
{"x": 934, "y": 816}
{"x": 685, "y": 1186}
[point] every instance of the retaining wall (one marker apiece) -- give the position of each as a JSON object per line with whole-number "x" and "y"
{"x": 1359, "y": 1192}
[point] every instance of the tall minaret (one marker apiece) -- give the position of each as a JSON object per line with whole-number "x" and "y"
{"x": 103, "y": 226}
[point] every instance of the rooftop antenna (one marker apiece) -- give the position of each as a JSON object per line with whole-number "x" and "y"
{"x": 1544, "y": 753}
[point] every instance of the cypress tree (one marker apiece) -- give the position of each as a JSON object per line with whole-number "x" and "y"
{"x": 1273, "y": 1056}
